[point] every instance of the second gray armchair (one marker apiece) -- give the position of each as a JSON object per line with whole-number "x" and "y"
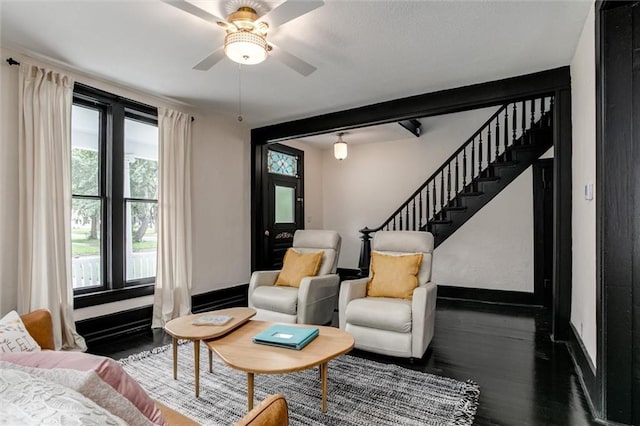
{"x": 314, "y": 301}
{"x": 402, "y": 323}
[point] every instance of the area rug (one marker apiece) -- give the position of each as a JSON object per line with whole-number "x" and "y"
{"x": 360, "y": 392}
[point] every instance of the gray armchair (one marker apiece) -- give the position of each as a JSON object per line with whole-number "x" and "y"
{"x": 392, "y": 326}
{"x": 315, "y": 300}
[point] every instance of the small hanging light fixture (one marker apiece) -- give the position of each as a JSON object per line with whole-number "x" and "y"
{"x": 340, "y": 148}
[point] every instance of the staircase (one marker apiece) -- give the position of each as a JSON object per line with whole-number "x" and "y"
{"x": 516, "y": 135}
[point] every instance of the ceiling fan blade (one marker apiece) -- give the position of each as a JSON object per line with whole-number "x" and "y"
{"x": 194, "y": 10}
{"x": 291, "y": 61}
{"x": 290, "y": 9}
{"x": 210, "y": 60}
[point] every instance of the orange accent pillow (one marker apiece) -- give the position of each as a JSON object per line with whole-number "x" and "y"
{"x": 394, "y": 276}
{"x": 296, "y": 266}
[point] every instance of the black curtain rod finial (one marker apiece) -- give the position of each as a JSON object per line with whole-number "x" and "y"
{"x": 12, "y": 61}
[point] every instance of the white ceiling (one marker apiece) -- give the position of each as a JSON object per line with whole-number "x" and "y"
{"x": 365, "y": 51}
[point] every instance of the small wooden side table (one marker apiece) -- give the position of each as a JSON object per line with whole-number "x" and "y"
{"x": 183, "y": 328}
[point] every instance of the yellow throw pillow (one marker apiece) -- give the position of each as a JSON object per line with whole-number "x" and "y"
{"x": 296, "y": 266}
{"x": 394, "y": 276}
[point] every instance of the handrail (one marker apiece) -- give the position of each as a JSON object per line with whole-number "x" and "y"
{"x": 450, "y": 160}
{"x": 444, "y": 165}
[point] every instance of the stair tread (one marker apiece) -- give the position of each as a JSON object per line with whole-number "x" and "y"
{"x": 470, "y": 193}
{"x": 487, "y": 178}
{"x": 440, "y": 222}
{"x": 455, "y": 208}
{"x": 509, "y": 163}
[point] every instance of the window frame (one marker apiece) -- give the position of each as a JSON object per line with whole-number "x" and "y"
{"x": 114, "y": 110}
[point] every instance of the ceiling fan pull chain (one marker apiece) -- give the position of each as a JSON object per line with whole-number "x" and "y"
{"x": 240, "y": 92}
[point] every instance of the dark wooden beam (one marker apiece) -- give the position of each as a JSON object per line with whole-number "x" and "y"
{"x": 413, "y": 126}
{"x": 425, "y": 105}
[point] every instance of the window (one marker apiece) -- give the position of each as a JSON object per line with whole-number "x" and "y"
{"x": 114, "y": 184}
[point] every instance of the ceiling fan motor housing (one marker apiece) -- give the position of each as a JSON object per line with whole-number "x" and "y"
{"x": 244, "y": 18}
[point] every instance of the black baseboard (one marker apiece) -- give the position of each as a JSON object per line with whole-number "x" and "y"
{"x": 116, "y": 324}
{"x": 220, "y": 299}
{"x": 139, "y": 319}
{"x": 486, "y": 295}
{"x": 586, "y": 372}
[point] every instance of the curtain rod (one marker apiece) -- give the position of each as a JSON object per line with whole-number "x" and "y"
{"x": 12, "y": 61}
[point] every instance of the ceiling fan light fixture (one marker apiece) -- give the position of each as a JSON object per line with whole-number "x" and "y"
{"x": 340, "y": 148}
{"x": 246, "y": 47}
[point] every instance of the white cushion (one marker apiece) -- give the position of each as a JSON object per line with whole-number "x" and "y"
{"x": 380, "y": 313}
{"x": 276, "y": 298}
{"x": 14, "y": 336}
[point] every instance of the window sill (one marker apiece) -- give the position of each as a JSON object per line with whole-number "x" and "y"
{"x": 101, "y": 297}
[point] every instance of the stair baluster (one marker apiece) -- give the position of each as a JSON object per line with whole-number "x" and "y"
{"x": 426, "y": 223}
{"x": 533, "y": 113}
{"x": 413, "y": 216}
{"x": 506, "y": 132}
{"x": 473, "y": 159}
{"x": 524, "y": 124}
{"x": 449, "y": 184}
{"x": 434, "y": 199}
{"x": 480, "y": 155}
{"x": 515, "y": 124}
{"x": 488, "y": 146}
{"x": 457, "y": 176}
{"x": 406, "y": 223}
{"x": 464, "y": 167}
{"x": 441, "y": 190}
{"x": 420, "y": 213}
{"x": 497, "y": 138}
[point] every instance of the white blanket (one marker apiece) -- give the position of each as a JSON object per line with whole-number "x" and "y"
{"x": 86, "y": 384}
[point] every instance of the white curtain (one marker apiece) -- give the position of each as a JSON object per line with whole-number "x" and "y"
{"x": 44, "y": 250}
{"x": 172, "y": 297}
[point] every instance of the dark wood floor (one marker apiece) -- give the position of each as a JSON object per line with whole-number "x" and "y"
{"x": 524, "y": 378}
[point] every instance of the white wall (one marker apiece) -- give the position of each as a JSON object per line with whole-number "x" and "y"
{"x": 375, "y": 178}
{"x": 583, "y": 161}
{"x": 221, "y": 193}
{"x": 366, "y": 187}
{"x": 493, "y": 249}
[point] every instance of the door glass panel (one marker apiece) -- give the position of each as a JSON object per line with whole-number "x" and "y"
{"x": 86, "y": 253}
{"x": 285, "y": 204}
{"x": 282, "y": 164}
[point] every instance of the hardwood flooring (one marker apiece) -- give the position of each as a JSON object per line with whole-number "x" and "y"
{"x": 524, "y": 378}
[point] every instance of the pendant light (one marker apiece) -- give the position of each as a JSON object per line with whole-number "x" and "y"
{"x": 340, "y": 148}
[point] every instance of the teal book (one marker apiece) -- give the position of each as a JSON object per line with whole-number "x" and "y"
{"x": 286, "y": 336}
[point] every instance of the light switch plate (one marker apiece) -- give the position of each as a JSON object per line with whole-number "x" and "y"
{"x": 588, "y": 192}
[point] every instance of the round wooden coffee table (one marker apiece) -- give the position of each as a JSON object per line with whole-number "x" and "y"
{"x": 238, "y": 351}
{"x": 183, "y": 328}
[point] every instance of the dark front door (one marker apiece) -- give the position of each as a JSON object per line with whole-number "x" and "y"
{"x": 283, "y": 202}
{"x": 543, "y": 231}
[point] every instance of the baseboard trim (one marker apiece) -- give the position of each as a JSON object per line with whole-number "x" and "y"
{"x": 138, "y": 319}
{"x": 586, "y": 372}
{"x": 220, "y": 299}
{"x": 486, "y": 295}
{"x": 116, "y": 324}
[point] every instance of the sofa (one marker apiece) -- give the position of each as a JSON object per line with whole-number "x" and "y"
{"x": 272, "y": 411}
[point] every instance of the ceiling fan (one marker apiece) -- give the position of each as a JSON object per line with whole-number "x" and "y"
{"x": 246, "y": 33}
